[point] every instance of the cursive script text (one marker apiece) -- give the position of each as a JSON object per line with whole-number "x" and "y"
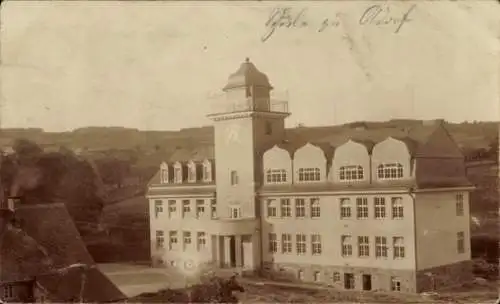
{"x": 284, "y": 17}
{"x": 380, "y": 15}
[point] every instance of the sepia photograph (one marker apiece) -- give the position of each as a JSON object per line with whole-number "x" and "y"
{"x": 249, "y": 151}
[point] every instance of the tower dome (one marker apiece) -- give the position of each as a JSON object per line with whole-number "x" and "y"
{"x": 247, "y": 76}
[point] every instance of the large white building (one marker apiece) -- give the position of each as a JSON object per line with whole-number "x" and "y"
{"x": 369, "y": 209}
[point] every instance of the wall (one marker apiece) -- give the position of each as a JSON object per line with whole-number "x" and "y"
{"x": 278, "y": 158}
{"x": 309, "y": 156}
{"x": 436, "y": 229}
{"x": 349, "y": 154}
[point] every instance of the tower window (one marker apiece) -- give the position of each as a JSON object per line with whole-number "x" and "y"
{"x": 234, "y": 178}
{"x": 269, "y": 128}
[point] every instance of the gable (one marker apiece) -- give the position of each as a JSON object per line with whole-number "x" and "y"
{"x": 440, "y": 144}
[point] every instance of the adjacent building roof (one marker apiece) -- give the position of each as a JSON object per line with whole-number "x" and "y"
{"x": 247, "y": 76}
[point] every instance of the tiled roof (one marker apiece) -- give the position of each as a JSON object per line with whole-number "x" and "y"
{"x": 66, "y": 286}
{"x": 197, "y": 154}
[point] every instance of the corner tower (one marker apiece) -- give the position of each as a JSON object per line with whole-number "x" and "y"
{"x": 245, "y": 123}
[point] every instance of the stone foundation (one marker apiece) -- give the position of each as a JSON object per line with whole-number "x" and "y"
{"x": 334, "y": 276}
{"x": 444, "y": 276}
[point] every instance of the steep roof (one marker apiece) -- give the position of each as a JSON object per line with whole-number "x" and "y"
{"x": 196, "y": 154}
{"x": 246, "y": 76}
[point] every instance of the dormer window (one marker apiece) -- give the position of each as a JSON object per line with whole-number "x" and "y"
{"x": 309, "y": 175}
{"x": 351, "y": 173}
{"x": 276, "y": 176}
{"x": 191, "y": 172}
{"x": 390, "y": 171}
{"x": 178, "y": 173}
{"x": 207, "y": 171}
{"x": 164, "y": 178}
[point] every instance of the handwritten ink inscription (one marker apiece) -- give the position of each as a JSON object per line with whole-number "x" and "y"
{"x": 375, "y": 15}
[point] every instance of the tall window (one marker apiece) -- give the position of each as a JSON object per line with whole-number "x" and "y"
{"x": 301, "y": 244}
{"x": 362, "y": 207}
{"x": 345, "y": 207}
{"x": 459, "y": 201}
{"x": 158, "y": 207}
{"x": 363, "y": 246}
{"x": 272, "y": 211}
{"x": 234, "y": 178}
{"x": 276, "y": 176}
{"x": 380, "y": 247}
{"x": 316, "y": 244}
{"x": 309, "y": 174}
{"x": 172, "y": 240}
{"x": 186, "y": 238}
{"x": 460, "y": 242}
{"x": 286, "y": 210}
{"x": 300, "y": 207}
{"x": 397, "y": 207}
{"x": 213, "y": 208}
{"x": 286, "y": 243}
{"x": 269, "y": 128}
{"x": 164, "y": 175}
{"x": 390, "y": 171}
{"x": 273, "y": 243}
{"x": 200, "y": 208}
{"x": 235, "y": 212}
{"x": 172, "y": 208}
{"x": 186, "y": 207}
{"x": 207, "y": 171}
{"x": 201, "y": 241}
{"x": 379, "y": 207}
{"x": 398, "y": 247}
{"x": 160, "y": 239}
{"x": 346, "y": 245}
{"x": 315, "y": 208}
{"x": 395, "y": 284}
{"x": 178, "y": 173}
{"x": 192, "y": 172}
{"x": 317, "y": 276}
{"x": 351, "y": 173}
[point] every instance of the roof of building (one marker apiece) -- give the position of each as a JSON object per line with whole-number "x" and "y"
{"x": 246, "y": 76}
{"x": 46, "y": 239}
{"x": 197, "y": 154}
{"x": 75, "y": 283}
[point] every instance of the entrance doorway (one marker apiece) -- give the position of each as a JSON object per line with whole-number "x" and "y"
{"x": 348, "y": 281}
{"x": 232, "y": 252}
{"x": 367, "y": 282}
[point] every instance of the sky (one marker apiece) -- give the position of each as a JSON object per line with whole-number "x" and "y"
{"x": 162, "y": 65}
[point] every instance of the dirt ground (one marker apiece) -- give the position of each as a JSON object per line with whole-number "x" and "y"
{"x": 135, "y": 279}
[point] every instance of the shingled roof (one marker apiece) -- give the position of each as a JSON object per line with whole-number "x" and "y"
{"x": 46, "y": 240}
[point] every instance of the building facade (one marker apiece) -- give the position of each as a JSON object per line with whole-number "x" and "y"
{"x": 360, "y": 209}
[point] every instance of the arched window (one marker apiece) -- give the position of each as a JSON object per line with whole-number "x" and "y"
{"x": 164, "y": 177}
{"x": 178, "y": 173}
{"x": 207, "y": 171}
{"x": 351, "y": 173}
{"x": 390, "y": 171}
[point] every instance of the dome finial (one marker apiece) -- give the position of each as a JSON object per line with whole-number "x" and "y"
{"x": 247, "y": 59}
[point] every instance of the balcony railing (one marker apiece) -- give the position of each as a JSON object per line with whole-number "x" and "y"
{"x": 223, "y": 104}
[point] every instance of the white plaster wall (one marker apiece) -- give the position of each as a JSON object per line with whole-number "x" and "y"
{"x": 436, "y": 229}
{"x": 309, "y": 156}
{"x": 349, "y": 154}
{"x": 331, "y": 227}
{"x": 278, "y": 158}
{"x": 391, "y": 151}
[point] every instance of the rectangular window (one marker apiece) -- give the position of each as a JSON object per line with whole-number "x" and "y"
{"x": 206, "y": 172}
{"x": 300, "y": 207}
{"x": 363, "y": 246}
{"x": 460, "y": 242}
{"x": 315, "y": 208}
{"x": 379, "y": 207}
{"x": 234, "y": 178}
{"x": 160, "y": 239}
{"x": 286, "y": 243}
{"x": 201, "y": 241}
{"x": 178, "y": 174}
{"x": 186, "y": 207}
{"x": 271, "y": 208}
{"x": 8, "y": 292}
{"x": 158, "y": 207}
{"x": 395, "y": 284}
{"x": 200, "y": 208}
{"x": 362, "y": 207}
{"x": 235, "y": 212}
{"x": 301, "y": 243}
{"x": 276, "y": 176}
{"x": 309, "y": 174}
{"x": 172, "y": 240}
{"x": 317, "y": 276}
{"x": 336, "y": 277}
{"x": 172, "y": 208}
{"x": 316, "y": 244}
{"x": 213, "y": 208}
{"x": 273, "y": 243}
{"x": 397, "y": 207}
{"x": 345, "y": 208}
{"x": 380, "y": 247}
{"x": 192, "y": 174}
{"x": 399, "y": 247}
{"x": 346, "y": 246}
{"x": 351, "y": 173}
{"x": 186, "y": 237}
{"x": 164, "y": 176}
{"x": 460, "y": 204}
{"x": 286, "y": 210}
